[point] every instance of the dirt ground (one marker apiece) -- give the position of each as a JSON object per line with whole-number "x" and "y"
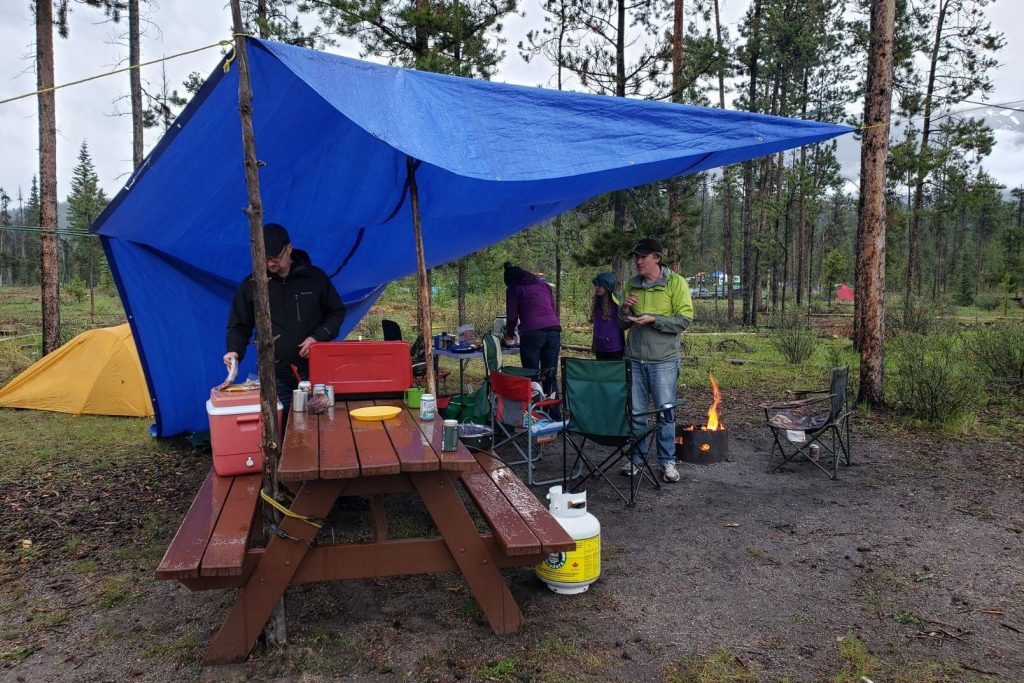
{"x": 917, "y": 551}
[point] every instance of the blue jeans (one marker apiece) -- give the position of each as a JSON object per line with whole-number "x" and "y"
{"x": 654, "y": 384}
{"x": 539, "y": 350}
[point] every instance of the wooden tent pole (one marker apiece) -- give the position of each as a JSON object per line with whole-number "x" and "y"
{"x": 275, "y": 630}
{"x": 264, "y": 340}
{"x": 423, "y": 285}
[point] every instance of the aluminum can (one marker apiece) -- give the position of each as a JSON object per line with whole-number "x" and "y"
{"x": 299, "y": 401}
{"x": 450, "y": 435}
{"x": 329, "y": 393}
{"x": 667, "y": 414}
{"x": 306, "y": 386}
{"x": 428, "y": 407}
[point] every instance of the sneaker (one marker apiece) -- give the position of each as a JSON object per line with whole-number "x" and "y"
{"x": 630, "y": 469}
{"x": 669, "y": 473}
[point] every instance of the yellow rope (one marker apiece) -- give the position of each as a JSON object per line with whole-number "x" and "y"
{"x": 288, "y": 513}
{"x": 219, "y": 43}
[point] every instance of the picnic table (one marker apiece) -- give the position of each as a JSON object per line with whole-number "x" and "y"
{"x": 329, "y": 456}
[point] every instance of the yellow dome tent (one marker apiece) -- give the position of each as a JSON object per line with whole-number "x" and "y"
{"x": 96, "y": 373}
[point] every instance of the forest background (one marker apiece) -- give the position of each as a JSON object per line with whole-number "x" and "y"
{"x": 784, "y": 226}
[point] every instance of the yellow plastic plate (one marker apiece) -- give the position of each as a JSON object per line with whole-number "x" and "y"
{"x": 372, "y": 413}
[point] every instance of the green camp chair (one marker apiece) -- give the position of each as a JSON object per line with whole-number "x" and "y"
{"x": 494, "y": 362}
{"x": 802, "y": 430}
{"x": 598, "y": 409}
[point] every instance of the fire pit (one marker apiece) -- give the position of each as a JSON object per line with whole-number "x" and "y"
{"x": 704, "y": 444}
{"x": 701, "y": 446}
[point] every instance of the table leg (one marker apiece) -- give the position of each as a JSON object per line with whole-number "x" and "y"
{"x": 268, "y": 581}
{"x": 476, "y": 563}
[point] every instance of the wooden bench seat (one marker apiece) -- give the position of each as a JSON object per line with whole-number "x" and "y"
{"x": 213, "y": 538}
{"x": 520, "y": 523}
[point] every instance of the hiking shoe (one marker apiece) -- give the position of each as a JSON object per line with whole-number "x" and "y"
{"x": 669, "y": 473}
{"x": 630, "y": 469}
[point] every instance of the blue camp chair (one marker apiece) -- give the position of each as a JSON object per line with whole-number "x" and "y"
{"x": 521, "y": 420}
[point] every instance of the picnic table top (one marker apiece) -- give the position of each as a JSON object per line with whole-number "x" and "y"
{"x": 334, "y": 445}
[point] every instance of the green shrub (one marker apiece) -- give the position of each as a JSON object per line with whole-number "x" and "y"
{"x": 999, "y": 352}
{"x": 76, "y": 289}
{"x": 932, "y": 381}
{"x": 793, "y": 340}
{"x": 988, "y": 301}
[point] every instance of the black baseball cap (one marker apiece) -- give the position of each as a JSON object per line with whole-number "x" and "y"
{"x": 647, "y": 246}
{"x": 275, "y": 239}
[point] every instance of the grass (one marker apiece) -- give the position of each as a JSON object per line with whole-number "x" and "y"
{"x": 500, "y": 670}
{"x": 181, "y": 651}
{"x": 721, "y": 667}
{"x": 117, "y": 590}
{"x": 89, "y": 441}
{"x": 857, "y": 663}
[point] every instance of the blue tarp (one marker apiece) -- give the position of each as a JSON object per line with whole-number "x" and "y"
{"x": 334, "y": 134}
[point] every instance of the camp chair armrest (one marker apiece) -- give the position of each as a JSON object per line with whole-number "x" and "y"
{"x": 547, "y": 403}
{"x": 804, "y": 393}
{"x": 518, "y": 372}
{"x": 678, "y": 403}
{"x": 796, "y": 404}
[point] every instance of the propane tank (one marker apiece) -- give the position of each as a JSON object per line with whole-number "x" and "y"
{"x": 573, "y": 572}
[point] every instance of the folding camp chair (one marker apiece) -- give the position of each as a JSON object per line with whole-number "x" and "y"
{"x": 800, "y": 431}
{"x": 598, "y": 409}
{"x": 393, "y": 332}
{"x": 521, "y": 421}
{"x": 493, "y": 360}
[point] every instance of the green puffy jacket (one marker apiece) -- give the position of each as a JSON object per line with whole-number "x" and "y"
{"x": 668, "y": 300}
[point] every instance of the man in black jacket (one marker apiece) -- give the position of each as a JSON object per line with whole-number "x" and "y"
{"x": 304, "y": 308}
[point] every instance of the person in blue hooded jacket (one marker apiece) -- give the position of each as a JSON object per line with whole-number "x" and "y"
{"x": 608, "y": 341}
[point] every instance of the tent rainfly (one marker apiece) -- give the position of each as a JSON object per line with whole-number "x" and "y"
{"x": 334, "y": 135}
{"x": 96, "y": 373}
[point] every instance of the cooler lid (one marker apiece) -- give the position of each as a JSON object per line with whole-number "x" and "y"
{"x": 221, "y": 398}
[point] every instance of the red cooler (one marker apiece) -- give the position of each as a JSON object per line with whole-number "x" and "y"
{"x": 235, "y": 432}
{"x": 361, "y": 368}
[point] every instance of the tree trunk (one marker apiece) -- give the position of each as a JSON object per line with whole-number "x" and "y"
{"x": 49, "y": 268}
{"x": 746, "y": 270}
{"x": 726, "y": 186}
{"x": 801, "y": 243}
{"x": 461, "y": 265}
{"x": 134, "y": 58}
{"x": 422, "y": 281}
{"x": 914, "y": 234}
{"x": 871, "y": 223}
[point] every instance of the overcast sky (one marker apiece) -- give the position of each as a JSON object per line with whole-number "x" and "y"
{"x": 94, "y": 111}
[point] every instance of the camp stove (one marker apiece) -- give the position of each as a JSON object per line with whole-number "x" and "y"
{"x": 704, "y": 444}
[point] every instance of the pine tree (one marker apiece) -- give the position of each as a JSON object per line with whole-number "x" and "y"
{"x": 85, "y": 203}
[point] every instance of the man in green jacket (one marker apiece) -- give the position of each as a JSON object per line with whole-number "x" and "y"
{"x": 656, "y": 310}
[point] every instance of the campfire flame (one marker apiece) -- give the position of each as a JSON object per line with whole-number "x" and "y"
{"x": 713, "y": 410}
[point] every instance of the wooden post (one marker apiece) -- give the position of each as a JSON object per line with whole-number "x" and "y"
{"x": 275, "y": 631}
{"x": 421, "y": 273}
{"x": 264, "y": 340}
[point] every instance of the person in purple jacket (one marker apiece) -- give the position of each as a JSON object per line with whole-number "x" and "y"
{"x": 609, "y": 341}
{"x": 530, "y": 304}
